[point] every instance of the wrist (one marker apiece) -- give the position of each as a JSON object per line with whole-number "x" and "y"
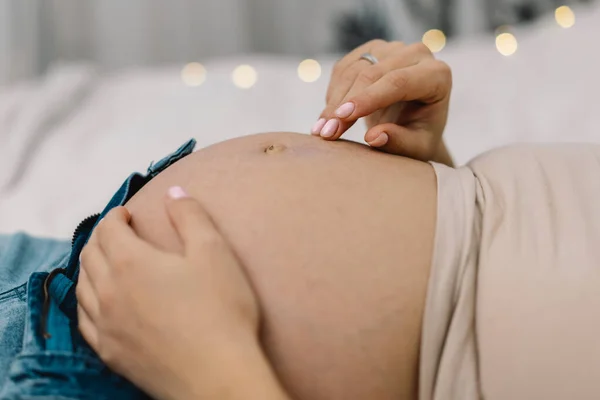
{"x": 442, "y": 155}
{"x": 234, "y": 370}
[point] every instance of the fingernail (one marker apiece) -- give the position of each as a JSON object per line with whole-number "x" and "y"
{"x": 345, "y": 110}
{"x": 330, "y": 128}
{"x": 318, "y": 126}
{"x": 380, "y": 140}
{"x": 177, "y": 192}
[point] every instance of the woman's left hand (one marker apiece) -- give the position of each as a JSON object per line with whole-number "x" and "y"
{"x": 178, "y": 326}
{"x": 404, "y": 98}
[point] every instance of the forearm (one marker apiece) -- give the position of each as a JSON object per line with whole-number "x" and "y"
{"x": 236, "y": 371}
{"x": 249, "y": 375}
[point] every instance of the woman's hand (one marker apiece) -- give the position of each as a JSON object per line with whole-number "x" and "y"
{"x": 404, "y": 97}
{"x": 178, "y": 326}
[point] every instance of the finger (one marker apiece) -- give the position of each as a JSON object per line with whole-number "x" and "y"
{"x": 395, "y": 139}
{"x": 191, "y": 221}
{"x": 333, "y": 128}
{"x": 399, "y": 56}
{"x": 428, "y": 82}
{"x": 93, "y": 264}
{"x": 87, "y": 328}
{"x": 340, "y": 73}
{"x": 87, "y": 296}
{"x": 342, "y": 78}
{"x": 119, "y": 242}
{"x": 360, "y": 74}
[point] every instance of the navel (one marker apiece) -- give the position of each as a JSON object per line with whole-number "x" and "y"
{"x": 275, "y": 148}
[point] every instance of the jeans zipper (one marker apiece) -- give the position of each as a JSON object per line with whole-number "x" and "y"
{"x": 86, "y": 223}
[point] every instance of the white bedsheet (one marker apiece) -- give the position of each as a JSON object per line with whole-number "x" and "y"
{"x": 68, "y": 141}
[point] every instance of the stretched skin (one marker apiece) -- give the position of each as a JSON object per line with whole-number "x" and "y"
{"x": 337, "y": 241}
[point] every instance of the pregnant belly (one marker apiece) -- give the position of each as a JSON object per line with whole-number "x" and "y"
{"x": 337, "y": 240}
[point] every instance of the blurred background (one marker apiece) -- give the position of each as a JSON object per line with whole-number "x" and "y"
{"x": 34, "y": 34}
{"x": 91, "y": 90}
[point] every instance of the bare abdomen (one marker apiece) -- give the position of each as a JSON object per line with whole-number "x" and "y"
{"x": 337, "y": 240}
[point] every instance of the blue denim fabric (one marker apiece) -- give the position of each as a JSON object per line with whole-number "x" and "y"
{"x": 21, "y": 255}
{"x": 46, "y": 356}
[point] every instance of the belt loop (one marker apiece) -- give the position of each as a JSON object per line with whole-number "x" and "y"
{"x": 46, "y": 306}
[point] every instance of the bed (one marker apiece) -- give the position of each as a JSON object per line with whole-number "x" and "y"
{"x": 68, "y": 139}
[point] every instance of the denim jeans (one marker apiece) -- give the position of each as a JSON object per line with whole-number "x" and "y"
{"x": 42, "y": 353}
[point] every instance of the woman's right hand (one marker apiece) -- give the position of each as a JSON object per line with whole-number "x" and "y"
{"x": 404, "y": 98}
{"x": 180, "y": 326}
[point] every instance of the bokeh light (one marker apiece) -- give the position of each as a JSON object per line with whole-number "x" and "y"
{"x": 193, "y": 74}
{"x": 565, "y": 17}
{"x": 309, "y": 70}
{"x": 244, "y": 76}
{"x": 506, "y": 43}
{"x": 435, "y": 40}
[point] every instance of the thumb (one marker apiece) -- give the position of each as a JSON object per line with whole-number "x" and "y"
{"x": 396, "y": 139}
{"x": 193, "y": 224}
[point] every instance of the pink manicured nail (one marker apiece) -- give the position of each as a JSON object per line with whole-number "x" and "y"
{"x": 318, "y": 126}
{"x": 330, "y": 128}
{"x": 381, "y": 140}
{"x": 177, "y": 192}
{"x": 345, "y": 110}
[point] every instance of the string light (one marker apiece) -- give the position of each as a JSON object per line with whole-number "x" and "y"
{"x": 309, "y": 71}
{"x": 506, "y": 43}
{"x": 435, "y": 40}
{"x": 244, "y": 76}
{"x": 565, "y": 17}
{"x": 193, "y": 74}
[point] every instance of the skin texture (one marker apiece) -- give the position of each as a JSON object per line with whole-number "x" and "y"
{"x": 336, "y": 240}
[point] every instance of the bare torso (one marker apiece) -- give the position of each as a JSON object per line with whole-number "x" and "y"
{"x": 337, "y": 240}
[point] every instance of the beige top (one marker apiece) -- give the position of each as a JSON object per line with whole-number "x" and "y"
{"x": 513, "y": 308}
